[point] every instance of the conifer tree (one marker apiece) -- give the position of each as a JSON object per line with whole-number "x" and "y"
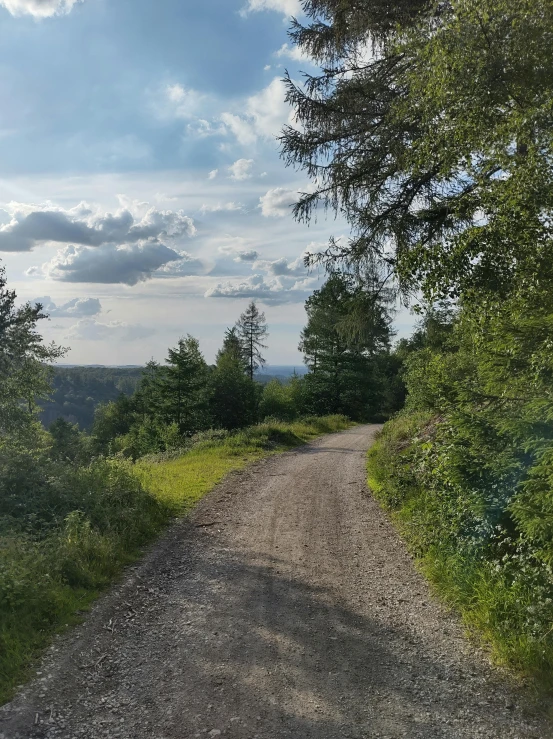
{"x": 435, "y": 146}
{"x": 232, "y": 392}
{"x": 183, "y": 387}
{"x": 232, "y": 346}
{"x": 251, "y": 329}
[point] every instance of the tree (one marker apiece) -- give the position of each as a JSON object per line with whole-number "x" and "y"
{"x": 183, "y": 387}
{"x": 436, "y": 147}
{"x": 24, "y": 374}
{"x": 251, "y": 329}
{"x": 232, "y": 392}
{"x": 345, "y": 374}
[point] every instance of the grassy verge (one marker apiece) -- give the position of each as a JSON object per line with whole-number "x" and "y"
{"x": 488, "y": 573}
{"x": 180, "y": 480}
{"x": 68, "y": 536}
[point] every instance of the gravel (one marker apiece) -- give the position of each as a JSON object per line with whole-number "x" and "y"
{"x": 286, "y": 606}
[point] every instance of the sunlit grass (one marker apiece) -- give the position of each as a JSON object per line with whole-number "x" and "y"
{"x": 181, "y": 482}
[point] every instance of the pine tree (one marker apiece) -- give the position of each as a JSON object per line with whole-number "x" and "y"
{"x": 251, "y": 329}
{"x": 232, "y": 346}
{"x": 232, "y": 392}
{"x": 183, "y": 387}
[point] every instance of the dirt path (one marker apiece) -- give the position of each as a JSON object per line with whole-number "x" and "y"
{"x": 286, "y": 608}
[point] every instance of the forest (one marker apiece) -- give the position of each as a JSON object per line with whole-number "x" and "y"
{"x": 430, "y": 128}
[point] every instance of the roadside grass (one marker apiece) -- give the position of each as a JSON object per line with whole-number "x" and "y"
{"x": 179, "y": 480}
{"x": 53, "y": 567}
{"x": 504, "y": 601}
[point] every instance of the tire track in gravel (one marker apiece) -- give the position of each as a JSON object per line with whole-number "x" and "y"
{"x": 286, "y": 606}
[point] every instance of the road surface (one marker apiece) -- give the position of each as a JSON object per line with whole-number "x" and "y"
{"x": 286, "y": 606}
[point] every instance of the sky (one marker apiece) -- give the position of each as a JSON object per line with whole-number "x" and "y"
{"x": 142, "y": 195}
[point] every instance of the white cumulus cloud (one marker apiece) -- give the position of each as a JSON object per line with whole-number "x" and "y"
{"x": 39, "y": 8}
{"x": 262, "y": 115}
{"x": 286, "y": 7}
{"x": 294, "y": 53}
{"x": 278, "y": 202}
{"x": 241, "y": 169}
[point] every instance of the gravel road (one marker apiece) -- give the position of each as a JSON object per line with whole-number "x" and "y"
{"x": 285, "y": 607}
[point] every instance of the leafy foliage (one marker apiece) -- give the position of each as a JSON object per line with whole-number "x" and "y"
{"x": 437, "y": 146}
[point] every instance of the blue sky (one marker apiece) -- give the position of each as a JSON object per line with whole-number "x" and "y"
{"x": 141, "y": 192}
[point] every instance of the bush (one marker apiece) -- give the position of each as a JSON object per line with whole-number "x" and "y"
{"x": 480, "y": 524}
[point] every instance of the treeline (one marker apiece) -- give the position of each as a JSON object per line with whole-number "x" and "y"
{"x": 352, "y": 372}
{"x": 438, "y": 148}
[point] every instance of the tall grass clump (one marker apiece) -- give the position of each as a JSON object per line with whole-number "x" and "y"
{"x": 65, "y": 532}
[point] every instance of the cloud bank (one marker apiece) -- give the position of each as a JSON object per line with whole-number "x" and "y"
{"x": 88, "y": 329}
{"x": 110, "y": 264}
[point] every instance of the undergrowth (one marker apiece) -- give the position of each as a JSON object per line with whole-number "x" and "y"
{"x": 66, "y": 531}
{"x": 462, "y": 528}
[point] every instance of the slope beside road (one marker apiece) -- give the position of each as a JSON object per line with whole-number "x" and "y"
{"x": 285, "y": 607}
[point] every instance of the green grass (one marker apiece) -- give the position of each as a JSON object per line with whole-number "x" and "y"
{"x": 109, "y": 512}
{"x": 180, "y": 482}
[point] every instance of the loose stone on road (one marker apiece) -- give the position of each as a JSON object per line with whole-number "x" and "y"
{"x": 286, "y": 606}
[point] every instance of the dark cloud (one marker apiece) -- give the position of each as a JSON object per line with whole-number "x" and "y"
{"x": 110, "y": 264}
{"x": 32, "y": 226}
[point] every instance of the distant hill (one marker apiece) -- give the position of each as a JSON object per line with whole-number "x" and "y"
{"x": 79, "y": 389}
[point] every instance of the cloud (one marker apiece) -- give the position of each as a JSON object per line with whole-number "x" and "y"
{"x": 88, "y": 329}
{"x": 262, "y": 115}
{"x": 185, "y": 266}
{"x": 239, "y": 249}
{"x": 177, "y": 101}
{"x": 286, "y": 7}
{"x": 76, "y": 308}
{"x": 213, "y": 174}
{"x": 110, "y": 264}
{"x": 241, "y": 169}
{"x": 39, "y": 8}
{"x": 216, "y": 207}
{"x": 31, "y": 225}
{"x": 278, "y": 202}
{"x": 275, "y": 291}
{"x": 281, "y": 267}
{"x": 294, "y": 53}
